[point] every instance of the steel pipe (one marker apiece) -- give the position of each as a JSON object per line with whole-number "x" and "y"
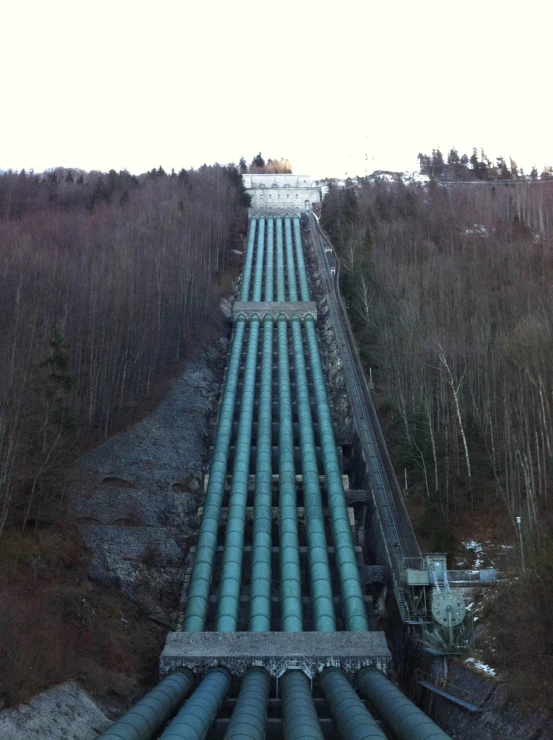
{"x": 247, "y": 274}
{"x": 250, "y": 713}
{"x": 231, "y": 568}
{"x": 319, "y": 569}
{"x": 290, "y": 578}
{"x": 269, "y": 269}
{"x": 260, "y": 598}
{"x": 146, "y": 718}
{"x": 195, "y": 719}
{"x": 406, "y": 720}
{"x": 299, "y": 717}
{"x": 291, "y": 270}
{"x": 202, "y": 572}
{"x": 353, "y": 720}
{"x": 281, "y": 294}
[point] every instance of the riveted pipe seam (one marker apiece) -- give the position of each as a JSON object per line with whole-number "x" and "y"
{"x": 195, "y": 719}
{"x": 299, "y": 717}
{"x": 144, "y": 720}
{"x": 350, "y": 715}
{"x": 249, "y": 717}
{"x": 405, "y": 718}
{"x": 281, "y": 294}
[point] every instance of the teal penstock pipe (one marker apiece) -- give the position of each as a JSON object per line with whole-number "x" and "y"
{"x": 317, "y": 546}
{"x": 350, "y": 583}
{"x": 291, "y": 271}
{"x": 250, "y": 713}
{"x": 269, "y": 269}
{"x": 260, "y": 596}
{"x": 196, "y": 718}
{"x": 281, "y": 295}
{"x": 351, "y": 717}
{"x": 406, "y": 720}
{"x": 147, "y": 716}
{"x": 231, "y": 568}
{"x": 290, "y": 578}
{"x": 247, "y": 274}
{"x": 299, "y": 717}
{"x": 202, "y": 572}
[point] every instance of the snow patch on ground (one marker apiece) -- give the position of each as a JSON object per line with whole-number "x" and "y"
{"x": 488, "y": 670}
{"x": 477, "y": 549}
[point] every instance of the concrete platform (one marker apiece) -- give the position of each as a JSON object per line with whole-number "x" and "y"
{"x": 239, "y": 651}
{"x": 274, "y": 309}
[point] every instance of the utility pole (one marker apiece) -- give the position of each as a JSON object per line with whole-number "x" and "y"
{"x": 519, "y": 525}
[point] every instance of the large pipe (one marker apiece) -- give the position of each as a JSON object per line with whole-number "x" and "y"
{"x": 231, "y": 569}
{"x": 319, "y": 569}
{"x": 350, "y": 583}
{"x": 351, "y": 717}
{"x": 260, "y": 598}
{"x": 291, "y": 271}
{"x": 247, "y": 274}
{"x": 299, "y": 717}
{"x": 404, "y": 718}
{"x": 269, "y": 270}
{"x": 290, "y": 578}
{"x": 195, "y": 719}
{"x": 281, "y": 296}
{"x": 202, "y": 572}
{"x": 146, "y": 718}
{"x": 250, "y": 713}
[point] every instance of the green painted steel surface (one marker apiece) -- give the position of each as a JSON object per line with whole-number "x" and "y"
{"x": 290, "y": 268}
{"x": 299, "y": 717}
{"x": 351, "y": 717}
{"x": 302, "y": 272}
{"x": 290, "y": 578}
{"x": 200, "y": 581}
{"x": 231, "y": 569}
{"x": 147, "y": 716}
{"x": 319, "y": 570}
{"x": 405, "y": 719}
{"x": 260, "y": 596}
{"x": 269, "y": 270}
{"x": 247, "y": 274}
{"x": 195, "y": 719}
{"x": 250, "y": 713}
{"x": 350, "y": 583}
{"x": 281, "y": 294}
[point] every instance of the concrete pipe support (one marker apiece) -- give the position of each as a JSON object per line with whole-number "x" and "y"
{"x": 250, "y": 713}
{"x": 353, "y": 720}
{"x": 406, "y": 720}
{"x": 299, "y": 717}
{"x": 195, "y": 719}
{"x": 147, "y": 716}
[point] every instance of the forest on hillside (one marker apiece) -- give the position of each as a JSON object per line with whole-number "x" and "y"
{"x": 107, "y": 281}
{"x": 449, "y": 292}
{"x": 477, "y": 167}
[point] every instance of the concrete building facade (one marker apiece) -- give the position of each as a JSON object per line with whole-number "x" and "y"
{"x": 281, "y": 193}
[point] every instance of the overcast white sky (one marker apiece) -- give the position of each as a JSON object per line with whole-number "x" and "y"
{"x": 136, "y": 84}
